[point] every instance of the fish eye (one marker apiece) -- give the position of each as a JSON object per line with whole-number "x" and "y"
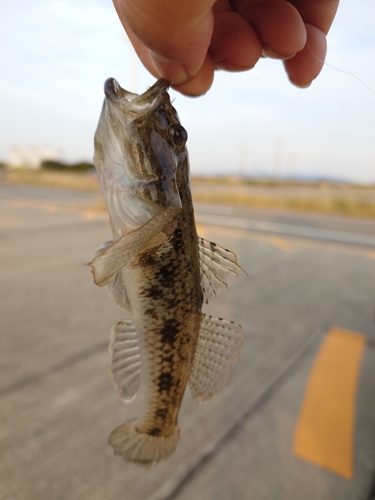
{"x": 177, "y": 134}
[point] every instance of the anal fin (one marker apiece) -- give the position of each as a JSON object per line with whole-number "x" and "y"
{"x": 216, "y": 355}
{"x": 126, "y": 359}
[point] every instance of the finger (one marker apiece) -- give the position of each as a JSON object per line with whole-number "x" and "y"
{"x": 305, "y": 66}
{"x": 142, "y": 52}
{"x": 177, "y": 33}
{"x": 318, "y": 13}
{"x": 200, "y": 83}
{"x": 195, "y": 86}
{"x": 278, "y": 25}
{"x": 235, "y": 46}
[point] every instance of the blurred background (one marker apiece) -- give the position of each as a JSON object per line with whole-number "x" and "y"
{"x": 284, "y": 177}
{"x": 57, "y": 54}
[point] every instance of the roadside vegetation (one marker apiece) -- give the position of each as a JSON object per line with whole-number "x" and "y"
{"x": 56, "y": 174}
{"x": 337, "y": 203}
{"x": 52, "y": 165}
{"x": 323, "y": 197}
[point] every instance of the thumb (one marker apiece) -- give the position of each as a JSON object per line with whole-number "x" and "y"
{"x": 177, "y": 33}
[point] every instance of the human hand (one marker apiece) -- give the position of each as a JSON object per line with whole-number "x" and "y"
{"x": 184, "y": 41}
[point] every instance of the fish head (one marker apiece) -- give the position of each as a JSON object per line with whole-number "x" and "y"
{"x": 139, "y": 147}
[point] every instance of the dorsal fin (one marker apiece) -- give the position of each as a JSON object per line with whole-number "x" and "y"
{"x": 216, "y": 355}
{"x": 216, "y": 264}
{"x": 126, "y": 359}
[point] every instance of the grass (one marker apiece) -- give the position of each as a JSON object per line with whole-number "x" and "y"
{"x": 334, "y": 204}
{"x": 65, "y": 180}
{"x": 351, "y": 200}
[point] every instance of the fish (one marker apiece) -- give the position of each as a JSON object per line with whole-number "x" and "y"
{"x": 157, "y": 269}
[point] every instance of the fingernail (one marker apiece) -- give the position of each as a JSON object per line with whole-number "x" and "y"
{"x": 267, "y": 52}
{"x": 307, "y": 85}
{"x": 173, "y": 71}
{"x": 286, "y": 58}
{"x": 226, "y": 66}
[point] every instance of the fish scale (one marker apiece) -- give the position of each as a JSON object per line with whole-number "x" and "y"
{"x": 157, "y": 269}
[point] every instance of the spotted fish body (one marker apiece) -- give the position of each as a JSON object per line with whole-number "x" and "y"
{"x": 159, "y": 270}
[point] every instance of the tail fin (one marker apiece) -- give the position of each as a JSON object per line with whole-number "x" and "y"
{"x": 141, "y": 448}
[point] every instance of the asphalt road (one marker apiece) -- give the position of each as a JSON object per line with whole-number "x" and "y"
{"x": 305, "y": 302}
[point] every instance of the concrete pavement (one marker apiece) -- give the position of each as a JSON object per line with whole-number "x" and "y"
{"x": 58, "y": 404}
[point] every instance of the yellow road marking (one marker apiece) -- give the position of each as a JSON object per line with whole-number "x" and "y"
{"x": 324, "y": 433}
{"x": 95, "y": 212}
{"x": 6, "y": 221}
{"x": 242, "y": 234}
{"x": 201, "y": 230}
{"x": 91, "y": 214}
{"x": 292, "y": 242}
{"x": 280, "y": 243}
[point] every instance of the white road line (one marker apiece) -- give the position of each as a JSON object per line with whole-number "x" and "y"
{"x": 331, "y": 235}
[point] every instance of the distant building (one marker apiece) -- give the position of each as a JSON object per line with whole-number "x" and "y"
{"x": 31, "y": 157}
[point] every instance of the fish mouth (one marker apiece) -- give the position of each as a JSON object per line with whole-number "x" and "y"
{"x": 115, "y": 93}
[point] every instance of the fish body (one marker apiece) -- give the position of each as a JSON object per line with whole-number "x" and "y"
{"x": 159, "y": 270}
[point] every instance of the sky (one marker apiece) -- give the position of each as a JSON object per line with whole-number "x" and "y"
{"x": 56, "y": 55}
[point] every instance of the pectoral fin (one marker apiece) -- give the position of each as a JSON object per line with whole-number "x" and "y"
{"x": 216, "y": 265}
{"x": 126, "y": 359}
{"x": 216, "y": 355}
{"x": 113, "y": 256}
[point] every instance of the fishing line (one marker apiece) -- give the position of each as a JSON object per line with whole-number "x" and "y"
{"x": 340, "y": 70}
